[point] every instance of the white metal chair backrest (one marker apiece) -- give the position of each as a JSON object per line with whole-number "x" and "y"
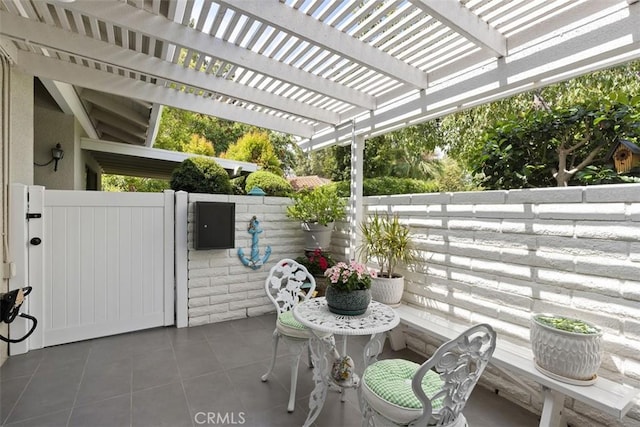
{"x": 460, "y": 363}
{"x": 284, "y": 284}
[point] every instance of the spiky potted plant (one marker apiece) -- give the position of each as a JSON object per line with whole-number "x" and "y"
{"x": 387, "y": 242}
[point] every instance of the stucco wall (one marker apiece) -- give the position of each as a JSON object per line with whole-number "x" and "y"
{"x": 220, "y": 286}
{"x": 499, "y": 256}
{"x": 52, "y": 126}
{"x": 17, "y": 148}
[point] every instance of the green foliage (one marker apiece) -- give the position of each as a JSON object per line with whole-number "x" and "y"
{"x": 404, "y": 153}
{"x": 316, "y": 262}
{"x": 270, "y": 183}
{"x": 387, "y": 241}
{"x": 255, "y": 147}
{"x": 462, "y": 132}
{"x": 237, "y": 185}
{"x": 595, "y": 175}
{"x": 178, "y": 126}
{"x": 200, "y": 175}
{"x": 388, "y": 185}
{"x": 321, "y": 205}
{"x": 450, "y": 176}
{"x": 567, "y": 324}
{"x": 120, "y": 183}
{"x": 542, "y": 148}
{"x": 312, "y": 163}
{"x": 199, "y": 145}
{"x": 338, "y": 163}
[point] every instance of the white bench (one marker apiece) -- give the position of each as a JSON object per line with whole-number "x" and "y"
{"x": 516, "y": 362}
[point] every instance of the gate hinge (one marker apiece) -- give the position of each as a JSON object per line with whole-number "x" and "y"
{"x": 34, "y": 215}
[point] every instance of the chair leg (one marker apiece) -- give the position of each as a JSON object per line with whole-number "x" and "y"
{"x": 367, "y": 413}
{"x": 294, "y": 379}
{"x": 276, "y": 336}
{"x": 309, "y": 355}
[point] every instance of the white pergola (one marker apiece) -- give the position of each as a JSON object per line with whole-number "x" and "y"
{"x": 325, "y": 71}
{"x": 322, "y": 70}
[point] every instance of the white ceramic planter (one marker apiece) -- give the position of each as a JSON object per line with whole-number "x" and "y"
{"x": 387, "y": 290}
{"x": 317, "y": 236}
{"x": 566, "y": 356}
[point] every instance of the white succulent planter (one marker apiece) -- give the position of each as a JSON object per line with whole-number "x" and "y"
{"x": 570, "y": 357}
{"x": 317, "y": 236}
{"x": 387, "y": 290}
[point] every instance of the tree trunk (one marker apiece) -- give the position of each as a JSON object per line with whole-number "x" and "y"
{"x": 562, "y": 176}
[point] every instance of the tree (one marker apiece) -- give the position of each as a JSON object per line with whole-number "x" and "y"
{"x": 255, "y": 147}
{"x": 199, "y": 145}
{"x": 539, "y": 148}
{"x": 405, "y": 153}
{"x": 119, "y": 183}
{"x": 463, "y": 132}
{"x": 178, "y": 127}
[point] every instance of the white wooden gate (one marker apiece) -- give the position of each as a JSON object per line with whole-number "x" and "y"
{"x": 105, "y": 264}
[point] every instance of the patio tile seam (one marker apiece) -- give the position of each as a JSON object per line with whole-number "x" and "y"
{"x": 20, "y": 396}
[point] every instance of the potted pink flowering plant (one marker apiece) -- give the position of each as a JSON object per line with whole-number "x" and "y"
{"x": 349, "y": 290}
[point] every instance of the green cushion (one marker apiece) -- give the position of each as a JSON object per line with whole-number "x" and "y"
{"x": 391, "y": 380}
{"x": 287, "y": 319}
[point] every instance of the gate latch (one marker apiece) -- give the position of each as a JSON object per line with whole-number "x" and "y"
{"x": 34, "y": 215}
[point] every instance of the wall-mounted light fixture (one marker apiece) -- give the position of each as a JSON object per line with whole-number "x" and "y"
{"x": 57, "y": 153}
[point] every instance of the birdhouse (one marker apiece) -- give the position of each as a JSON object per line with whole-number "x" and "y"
{"x": 625, "y": 155}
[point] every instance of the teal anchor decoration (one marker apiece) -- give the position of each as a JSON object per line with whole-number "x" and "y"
{"x": 255, "y": 262}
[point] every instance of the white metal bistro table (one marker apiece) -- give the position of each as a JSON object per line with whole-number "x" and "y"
{"x": 315, "y": 315}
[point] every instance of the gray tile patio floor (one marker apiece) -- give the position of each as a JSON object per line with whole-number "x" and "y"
{"x": 173, "y": 377}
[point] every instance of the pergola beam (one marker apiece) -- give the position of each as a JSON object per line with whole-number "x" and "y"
{"x": 115, "y": 107}
{"x": 67, "y": 99}
{"x": 52, "y": 38}
{"x": 118, "y": 133}
{"x": 123, "y": 86}
{"x": 618, "y": 42}
{"x": 117, "y": 122}
{"x": 154, "y": 124}
{"x": 306, "y": 28}
{"x": 168, "y": 31}
{"x": 460, "y": 19}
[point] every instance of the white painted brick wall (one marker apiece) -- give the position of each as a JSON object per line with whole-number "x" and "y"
{"x": 500, "y": 256}
{"x": 220, "y": 286}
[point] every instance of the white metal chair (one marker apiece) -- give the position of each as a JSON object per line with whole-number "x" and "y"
{"x": 283, "y": 287}
{"x": 400, "y": 392}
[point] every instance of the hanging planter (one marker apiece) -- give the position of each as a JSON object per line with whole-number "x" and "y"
{"x": 317, "y": 236}
{"x": 317, "y": 210}
{"x": 566, "y": 349}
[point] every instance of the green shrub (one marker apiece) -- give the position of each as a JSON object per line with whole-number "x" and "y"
{"x": 200, "y": 175}
{"x": 269, "y": 182}
{"x": 321, "y": 205}
{"x": 388, "y": 185}
{"x": 237, "y": 185}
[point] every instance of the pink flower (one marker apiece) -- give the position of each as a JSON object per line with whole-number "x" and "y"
{"x": 349, "y": 277}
